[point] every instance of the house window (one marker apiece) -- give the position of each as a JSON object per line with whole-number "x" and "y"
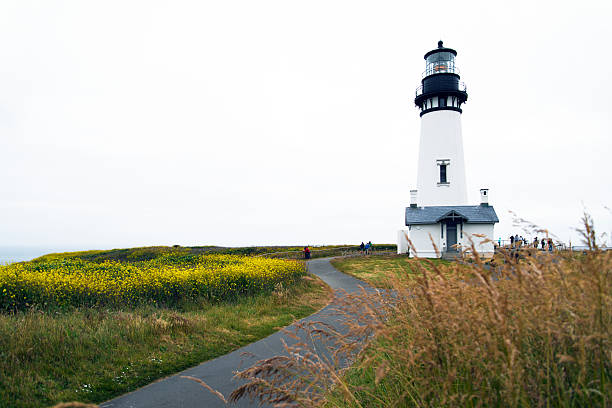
{"x": 443, "y": 173}
{"x": 441, "y": 230}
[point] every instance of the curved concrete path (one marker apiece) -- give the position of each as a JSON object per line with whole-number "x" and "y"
{"x": 218, "y": 373}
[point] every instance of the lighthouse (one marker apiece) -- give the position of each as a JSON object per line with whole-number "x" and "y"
{"x": 439, "y": 221}
{"x": 441, "y": 168}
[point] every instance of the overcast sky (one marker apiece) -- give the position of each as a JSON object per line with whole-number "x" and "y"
{"x": 129, "y": 123}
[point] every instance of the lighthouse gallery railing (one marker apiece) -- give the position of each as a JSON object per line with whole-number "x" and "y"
{"x": 462, "y": 88}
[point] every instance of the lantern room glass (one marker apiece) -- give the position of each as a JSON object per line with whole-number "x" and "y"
{"x": 439, "y": 63}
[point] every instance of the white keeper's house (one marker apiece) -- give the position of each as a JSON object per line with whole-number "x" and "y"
{"x": 439, "y": 213}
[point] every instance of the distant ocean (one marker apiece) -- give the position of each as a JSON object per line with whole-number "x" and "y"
{"x": 9, "y": 254}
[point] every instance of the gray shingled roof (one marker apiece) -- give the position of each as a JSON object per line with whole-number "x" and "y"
{"x": 473, "y": 214}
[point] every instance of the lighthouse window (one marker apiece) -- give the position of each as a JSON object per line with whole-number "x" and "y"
{"x": 443, "y": 173}
{"x": 442, "y": 164}
{"x": 442, "y": 102}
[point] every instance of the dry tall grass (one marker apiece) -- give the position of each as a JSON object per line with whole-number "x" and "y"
{"x": 532, "y": 331}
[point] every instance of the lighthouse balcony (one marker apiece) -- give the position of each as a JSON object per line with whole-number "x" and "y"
{"x": 440, "y": 97}
{"x": 460, "y": 88}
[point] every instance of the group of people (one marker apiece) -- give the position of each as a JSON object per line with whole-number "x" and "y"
{"x": 517, "y": 241}
{"x": 366, "y": 248}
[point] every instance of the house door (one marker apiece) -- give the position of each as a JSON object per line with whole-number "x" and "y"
{"x": 451, "y": 236}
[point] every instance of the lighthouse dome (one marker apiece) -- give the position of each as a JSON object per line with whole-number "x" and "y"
{"x": 440, "y": 60}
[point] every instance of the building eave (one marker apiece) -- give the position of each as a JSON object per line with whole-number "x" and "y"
{"x": 441, "y": 221}
{"x": 469, "y": 214}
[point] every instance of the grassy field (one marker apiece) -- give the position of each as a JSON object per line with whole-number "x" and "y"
{"x": 327, "y": 251}
{"x": 382, "y": 270}
{"x": 70, "y": 330}
{"x": 533, "y": 330}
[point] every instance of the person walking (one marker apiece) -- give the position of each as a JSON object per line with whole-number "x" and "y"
{"x": 535, "y": 242}
{"x": 543, "y": 243}
{"x": 367, "y": 248}
{"x": 550, "y": 245}
{"x": 499, "y": 242}
{"x": 306, "y": 252}
{"x": 362, "y": 247}
{"x": 371, "y": 246}
{"x": 511, "y": 240}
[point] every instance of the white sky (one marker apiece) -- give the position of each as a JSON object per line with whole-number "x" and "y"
{"x": 128, "y": 123}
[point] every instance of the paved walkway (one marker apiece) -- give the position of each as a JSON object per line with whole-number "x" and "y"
{"x": 218, "y": 373}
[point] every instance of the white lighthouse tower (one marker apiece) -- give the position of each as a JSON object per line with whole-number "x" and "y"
{"x": 441, "y": 168}
{"x": 438, "y": 213}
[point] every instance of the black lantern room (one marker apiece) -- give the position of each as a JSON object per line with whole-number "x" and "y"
{"x": 440, "y": 87}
